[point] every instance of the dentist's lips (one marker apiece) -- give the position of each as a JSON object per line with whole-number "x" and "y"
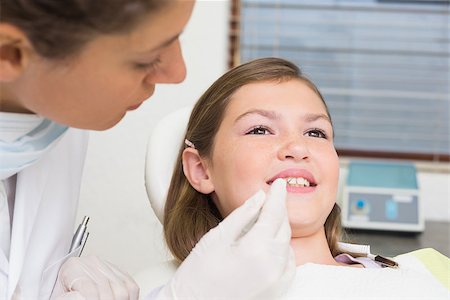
{"x": 135, "y": 106}
{"x": 296, "y": 173}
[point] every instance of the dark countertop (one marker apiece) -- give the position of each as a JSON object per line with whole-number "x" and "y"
{"x": 436, "y": 235}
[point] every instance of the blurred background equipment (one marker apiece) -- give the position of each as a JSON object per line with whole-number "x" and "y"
{"x": 382, "y": 196}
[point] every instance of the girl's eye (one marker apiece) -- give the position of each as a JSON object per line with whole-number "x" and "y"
{"x": 317, "y": 133}
{"x": 260, "y": 130}
{"x": 148, "y": 66}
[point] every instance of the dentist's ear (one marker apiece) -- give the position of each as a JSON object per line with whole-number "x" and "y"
{"x": 196, "y": 171}
{"x": 15, "y": 52}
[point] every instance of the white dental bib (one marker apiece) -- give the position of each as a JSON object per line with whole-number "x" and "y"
{"x": 410, "y": 281}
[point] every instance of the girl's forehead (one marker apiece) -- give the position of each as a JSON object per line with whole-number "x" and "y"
{"x": 274, "y": 94}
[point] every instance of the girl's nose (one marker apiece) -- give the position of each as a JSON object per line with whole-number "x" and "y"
{"x": 294, "y": 148}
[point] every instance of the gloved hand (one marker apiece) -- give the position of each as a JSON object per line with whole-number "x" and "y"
{"x": 247, "y": 256}
{"x": 89, "y": 278}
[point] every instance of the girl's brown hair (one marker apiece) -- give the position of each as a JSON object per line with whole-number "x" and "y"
{"x": 58, "y": 29}
{"x": 190, "y": 214}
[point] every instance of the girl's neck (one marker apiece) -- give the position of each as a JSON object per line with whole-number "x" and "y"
{"x": 312, "y": 249}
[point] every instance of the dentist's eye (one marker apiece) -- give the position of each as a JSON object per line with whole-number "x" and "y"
{"x": 148, "y": 67}
{"x": 317, "y": 133}
{"x": 259, "y": 130}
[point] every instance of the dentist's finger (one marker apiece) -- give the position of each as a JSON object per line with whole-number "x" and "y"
{"x": 239, "y": 222}
{"x": 86, "y": 275}
{"x": 126, "y": 287}
{"x": 284, "y": 234}
{"x": 274, "y": 212}
{"x": 71, "y": 296}
{"x": 89, "y": 289}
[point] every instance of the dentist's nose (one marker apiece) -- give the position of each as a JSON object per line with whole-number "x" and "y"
{"x": 175, "y": 69}
{"x": 172, "y": 68}
{"x": 294, "y": 148}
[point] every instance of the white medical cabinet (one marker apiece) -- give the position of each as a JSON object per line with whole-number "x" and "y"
{"x": 382, "y": 196}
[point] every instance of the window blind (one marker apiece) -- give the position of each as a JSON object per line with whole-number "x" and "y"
{"x": 382, "y": 66}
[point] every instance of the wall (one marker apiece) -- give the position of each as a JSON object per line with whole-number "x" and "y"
{"x": 123, "y": 228}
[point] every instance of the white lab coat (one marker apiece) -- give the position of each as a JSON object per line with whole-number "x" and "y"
{"x": 43, "y": 223}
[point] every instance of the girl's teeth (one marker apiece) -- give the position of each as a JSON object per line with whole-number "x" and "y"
{"x": 297, "y": 181}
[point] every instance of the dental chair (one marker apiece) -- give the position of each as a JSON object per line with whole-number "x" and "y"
{"x": 163, "y": 145}
{"x": 162, "y": 150}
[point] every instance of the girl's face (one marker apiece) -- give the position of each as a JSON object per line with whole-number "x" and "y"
{"x": 277, "y": 130}
{"x": 112, "y": 75}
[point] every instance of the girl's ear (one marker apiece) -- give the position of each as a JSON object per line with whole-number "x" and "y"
{"x": 15, "y": 52}
{"x": 196, "y": 171}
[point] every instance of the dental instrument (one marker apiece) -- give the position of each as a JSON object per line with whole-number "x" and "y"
{"x": 364, "y": 250}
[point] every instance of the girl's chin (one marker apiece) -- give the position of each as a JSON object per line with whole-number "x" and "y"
{"x": 301, "y": 229}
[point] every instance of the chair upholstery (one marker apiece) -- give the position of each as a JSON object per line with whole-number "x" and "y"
{"x": 162, "y": 150}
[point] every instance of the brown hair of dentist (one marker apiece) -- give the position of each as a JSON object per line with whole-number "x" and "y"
{"x": 59, "y": 29}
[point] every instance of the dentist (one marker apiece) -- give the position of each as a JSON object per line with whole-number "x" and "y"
{"x": 76, "y": 65}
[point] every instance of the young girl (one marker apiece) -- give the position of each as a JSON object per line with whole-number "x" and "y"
{"x": 260, "y": 122}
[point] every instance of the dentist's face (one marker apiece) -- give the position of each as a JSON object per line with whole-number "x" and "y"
{"x": 113, "y": 73}
{"x": 272, "y": 130}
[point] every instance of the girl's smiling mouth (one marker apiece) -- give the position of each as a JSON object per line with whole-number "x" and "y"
{"x": 297, "y": 180}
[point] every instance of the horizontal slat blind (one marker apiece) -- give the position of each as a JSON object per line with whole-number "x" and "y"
{"x": 383, "y": 66}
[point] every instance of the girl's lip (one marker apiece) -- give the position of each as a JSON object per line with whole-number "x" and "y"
{"x": 294, "y": 172}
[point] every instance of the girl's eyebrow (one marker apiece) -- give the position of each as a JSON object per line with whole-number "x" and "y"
{"x": 309, "y": 118}
{"x": 265, "y": 113}
{"x": 314, "y": 117}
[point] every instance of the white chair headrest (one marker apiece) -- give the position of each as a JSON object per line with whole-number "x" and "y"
{"x": 162, "y": 150}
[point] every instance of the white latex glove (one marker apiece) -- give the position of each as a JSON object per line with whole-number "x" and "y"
{"x": 247, "y": 256}
{"x": 89, "y": 278}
